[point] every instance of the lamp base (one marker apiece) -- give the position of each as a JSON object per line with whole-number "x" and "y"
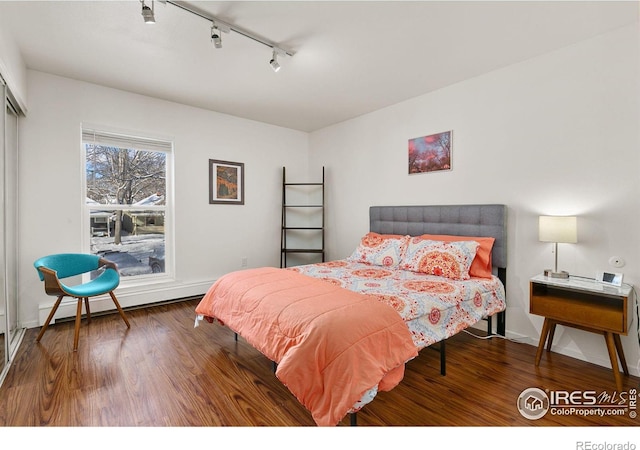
{"x": 562, "y": 274}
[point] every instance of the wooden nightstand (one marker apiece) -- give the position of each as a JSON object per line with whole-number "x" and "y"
{"x": 586, "y": 305}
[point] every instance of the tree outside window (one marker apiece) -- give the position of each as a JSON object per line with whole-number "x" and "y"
{"x": 126, "y": 196}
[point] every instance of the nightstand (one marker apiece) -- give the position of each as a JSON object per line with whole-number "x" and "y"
{"x": 586, "y": 305}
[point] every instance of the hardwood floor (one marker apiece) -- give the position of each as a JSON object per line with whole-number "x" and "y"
{"x": 163, "y": 372}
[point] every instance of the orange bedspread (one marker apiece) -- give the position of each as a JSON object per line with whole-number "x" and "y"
{"x": 331, "y": 344}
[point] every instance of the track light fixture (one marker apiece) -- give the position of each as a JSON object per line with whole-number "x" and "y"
{"x": 218, "y": 27}
{"x": 147, "y": 13}
{"x": 274, "y": 61}
{"x": 215, "y": 36}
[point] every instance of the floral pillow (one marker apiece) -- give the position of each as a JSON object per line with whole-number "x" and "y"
{"x": 444, "y": 259}
{"x": 481, "y": 267}
{"x": 380, "y": 249}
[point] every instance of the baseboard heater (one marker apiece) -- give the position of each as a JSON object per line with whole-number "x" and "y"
{"x": 129, "y": 300}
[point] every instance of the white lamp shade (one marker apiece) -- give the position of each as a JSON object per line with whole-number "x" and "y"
{"x": 558, "y": 229}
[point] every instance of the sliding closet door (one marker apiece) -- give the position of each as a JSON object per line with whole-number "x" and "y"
{"x": 10, "y": 224}
{"x": 10, "y": 331}
{"x": 4, "y": 323}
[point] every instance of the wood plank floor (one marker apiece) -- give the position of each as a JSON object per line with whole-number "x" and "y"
{"x": 163, "y": 372}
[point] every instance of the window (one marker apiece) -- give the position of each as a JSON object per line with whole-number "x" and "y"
{"x": 127, "y": 201}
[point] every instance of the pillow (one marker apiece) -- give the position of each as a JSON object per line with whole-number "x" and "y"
{"x": 380, "y": 249}
{"x": 444, "y": 259}
{"x": 482, "y": 266}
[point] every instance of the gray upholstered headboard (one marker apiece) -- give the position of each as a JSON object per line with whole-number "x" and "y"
{"x": 458, "y": 220}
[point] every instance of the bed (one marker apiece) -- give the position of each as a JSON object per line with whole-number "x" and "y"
{"x": 339, "y": 332}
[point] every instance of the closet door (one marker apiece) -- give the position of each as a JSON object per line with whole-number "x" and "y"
{"x": 4, "y": 323}
{"x": 10, "y": 225}
{"x": 10, "y": 330}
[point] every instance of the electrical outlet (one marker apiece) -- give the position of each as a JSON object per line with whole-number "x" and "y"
{"x": 616, "y": 261}
{"x": 244, "y": 261}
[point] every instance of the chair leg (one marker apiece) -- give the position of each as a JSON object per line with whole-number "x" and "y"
{"x": 115, "y": 300}
{"x": 76, "y": 336}
{"x": 86, "y": 307}
{"x": 46, "y": 324}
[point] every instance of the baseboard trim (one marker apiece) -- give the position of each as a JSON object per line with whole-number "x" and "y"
{"x": 563, "y": 350}
{"x": 129, "y": 298}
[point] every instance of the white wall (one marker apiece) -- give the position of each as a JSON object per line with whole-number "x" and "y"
{"x": 209, "y": 239}
{"x": 557, "y": 134}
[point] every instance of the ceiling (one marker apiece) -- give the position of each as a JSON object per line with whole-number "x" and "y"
{"x": 351, "y": 57}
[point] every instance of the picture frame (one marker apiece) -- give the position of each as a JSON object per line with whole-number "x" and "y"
{"x": 226, "y": 182}
{"x": 430, "y": 153}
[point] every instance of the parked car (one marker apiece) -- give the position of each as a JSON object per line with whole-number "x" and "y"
{"x": 156, "y": 261}
{"x": 128, "y": 264}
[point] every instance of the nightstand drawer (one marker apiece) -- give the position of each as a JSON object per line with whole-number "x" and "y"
{"x": 590, "y": 310}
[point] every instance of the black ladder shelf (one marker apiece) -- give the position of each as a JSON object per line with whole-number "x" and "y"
{"x": 315, "y": 214}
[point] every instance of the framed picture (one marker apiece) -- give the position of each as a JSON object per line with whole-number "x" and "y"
{"x": 226, "y": 182}
{"x": 430, "y": 153}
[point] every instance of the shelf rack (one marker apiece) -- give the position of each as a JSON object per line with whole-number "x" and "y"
{"x": 315, "y": 229}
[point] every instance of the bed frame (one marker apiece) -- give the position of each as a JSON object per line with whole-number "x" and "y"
{"x": 459, "y": 220}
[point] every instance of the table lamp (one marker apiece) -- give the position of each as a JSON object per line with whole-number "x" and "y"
{"x": 557, "y": 229}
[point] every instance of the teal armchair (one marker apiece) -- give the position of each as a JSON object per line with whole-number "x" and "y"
{"x": 54, "y": 268}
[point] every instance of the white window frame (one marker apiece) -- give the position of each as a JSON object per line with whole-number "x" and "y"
{"x": 136, "y": 141}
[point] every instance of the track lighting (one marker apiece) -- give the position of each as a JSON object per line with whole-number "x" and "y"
{"x": 274, "y": 61}
{"x": 215, "y": 37}
{"x": 147, "y": 13}
{"x": 277, "y": 51}
{"x": 217, "y": 28}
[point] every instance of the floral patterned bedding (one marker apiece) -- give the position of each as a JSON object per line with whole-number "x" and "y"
{"x": 434, "y": 308}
